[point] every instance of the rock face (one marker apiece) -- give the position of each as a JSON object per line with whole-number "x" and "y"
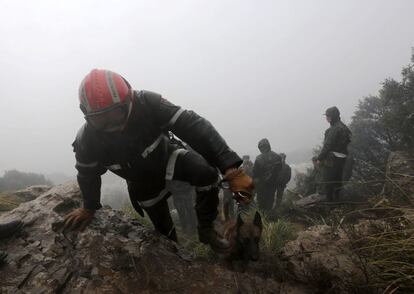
{"x": 11, "y": 200}
{"x": 321, "y": 257}
{"x": 310, "y": 200}
{"x": 30, "y": 193}
{"x": 113, "y": 255}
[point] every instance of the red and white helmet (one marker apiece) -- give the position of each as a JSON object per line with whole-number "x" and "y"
{"x": 105, "y": 99}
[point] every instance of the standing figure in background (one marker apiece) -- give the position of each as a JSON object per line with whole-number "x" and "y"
{"x": 334, "y": 153}
{"x": 247, "y": 165}
{"x": 265, "y": 172}
{"x": 183, "y": 195}
{"x": 282, "y": 180}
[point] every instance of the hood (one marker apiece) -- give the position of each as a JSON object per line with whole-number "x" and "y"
{"x": 264, "y": 145}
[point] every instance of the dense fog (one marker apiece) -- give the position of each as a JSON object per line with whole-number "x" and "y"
{"x": 254, "y": 69}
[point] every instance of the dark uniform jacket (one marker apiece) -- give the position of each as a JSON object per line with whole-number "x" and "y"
{"x": 284, "y": 176}
{"x": 266, "y": 168}
{"x": 337, "y": 138}
{"x": 141, "y": 152}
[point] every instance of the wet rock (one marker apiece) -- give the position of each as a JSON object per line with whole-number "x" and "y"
{"x": 321, "y": 257}
{"x": 30, "y": 193}
{"x": 10, "y": 200}
{"x": 113, "y": 255}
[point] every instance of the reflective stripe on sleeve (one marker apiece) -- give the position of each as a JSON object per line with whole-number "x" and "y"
{"x": 92, "y": 164}
{"x": 174, "y": 118}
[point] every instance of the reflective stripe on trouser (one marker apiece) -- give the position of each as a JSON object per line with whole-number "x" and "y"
{"x": 155, "y": 207}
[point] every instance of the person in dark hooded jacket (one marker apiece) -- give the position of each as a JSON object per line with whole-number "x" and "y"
{"x": 334, "y": 153}
{"x": 265, "y": 172}
{"x": 282, "y": 180}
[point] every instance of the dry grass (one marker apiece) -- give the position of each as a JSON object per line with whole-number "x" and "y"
{"x": 8, "y": 202}
{"x": 130, "y": 211}
{"x": 386, "y": 251}
{"x": 276, "y": 234}
{"x": 276, "y": 231}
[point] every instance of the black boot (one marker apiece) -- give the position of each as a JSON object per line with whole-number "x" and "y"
{"x": 208, "y": 235}
{"x": 3, "y": 256}
{"x": 8, "y": 229}
{"x": 206, "y": 209}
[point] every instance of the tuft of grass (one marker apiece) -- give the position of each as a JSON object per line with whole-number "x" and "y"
{"x": 129, "y": 210}
{"x": 277, "y": 231}
{"x": 276, "y": 234}
{"x": 7, "y": 202}
{"x": 387, "y": 252}
{"x": 198, "y": 250}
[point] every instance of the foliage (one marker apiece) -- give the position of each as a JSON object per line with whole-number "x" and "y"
{"x": 304, "y": 182}
{"x": 130, "y": 211}
{"x": 7, "y": 202}
{"x": 381, "y": 124}
{"x": 15, "y": 180}
{"x": 276, "y": 231}
{"x": 199, "y": 250}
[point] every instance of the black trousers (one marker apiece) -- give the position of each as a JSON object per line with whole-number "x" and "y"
{"x": 191, "y": 168}
{"x": 280, "y": 190}
{"x": 266, "y": 196}
{"x": 332, "y": 177}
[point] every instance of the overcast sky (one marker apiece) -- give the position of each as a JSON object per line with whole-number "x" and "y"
{"x": 253, "y": 68}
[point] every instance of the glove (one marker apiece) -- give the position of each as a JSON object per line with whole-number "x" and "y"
{"x": 240, "y": 184}
{"x": 80, "y": 217}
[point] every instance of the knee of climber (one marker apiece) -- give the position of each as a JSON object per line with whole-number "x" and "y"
{"x": 205, "y": 175}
